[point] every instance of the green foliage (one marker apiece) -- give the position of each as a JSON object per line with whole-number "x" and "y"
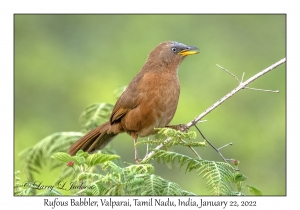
{"x": 102, "y": 173}
{"x": 94, "y": 115}
{"x": 19, "y": 188}
{"x": 219, "y": 175}
{"x": 130, "y": 180}
{"x": 83, "y": 158}
{"x": 29, "y": 188}
{"x": 140, "y": 179}
{"x": 253, "y": 190}
{"x": 37, "y": 156}
{"x": 177, "y": 138}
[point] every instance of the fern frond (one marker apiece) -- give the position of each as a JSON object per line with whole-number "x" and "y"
{"x": 171, "y": 188}
{"x": 96, "y": 188}
{"x": 153, "y": 185}
{"x": 39, "y": 155}
{"x": 131, "y": 180}
{"x": 94, "y": 115}
{"x": 170, "y": 132}
{"x": 65, "y": 173}
{"x": 114, "y": 168}
{"x": 178, "y": 138}
{"x": 141, "y": 169}
{"x": 20, "y": 189}
{"x": 99, "y": 189}
{"x": 118, "y": 181}
{"x": 134, "y": 184}
{"x": 173, "y": 142}
{"x": 187, "y": 193}
{"x": 219, "y": 175}
{"x": 88, "y": 175}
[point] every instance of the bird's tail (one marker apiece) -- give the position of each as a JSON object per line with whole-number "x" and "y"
{"x": 96, "y": 139}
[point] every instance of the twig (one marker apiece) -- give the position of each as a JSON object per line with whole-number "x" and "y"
{"x": 198, "y": 156}
{"x": 149, "y": 155}
{"x": 228, "y": 72}
{"x": 273, "y": 91}
{"x": 218, "y": 150}
{"x": 234, "y": 91}
{"x": 226, "y": 145}
{"x": 241, "y": 86}
{"x": 243, "y": 77}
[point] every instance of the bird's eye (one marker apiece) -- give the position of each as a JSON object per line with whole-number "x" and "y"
{"x": 174, "y": 49}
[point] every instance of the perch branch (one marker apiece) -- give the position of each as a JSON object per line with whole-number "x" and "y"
{"x": 234, "y": 91}
{"x": 242, "y": 85}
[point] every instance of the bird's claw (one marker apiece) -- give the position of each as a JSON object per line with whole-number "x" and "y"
{"x": 137, "y": 160}
{"x": 179, "y": 127}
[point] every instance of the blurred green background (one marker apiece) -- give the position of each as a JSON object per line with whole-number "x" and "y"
{"x": 64, "y": 63}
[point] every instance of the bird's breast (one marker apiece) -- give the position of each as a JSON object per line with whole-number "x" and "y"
{"x": 161, "y": 93}
{"x": 156, "y": 103}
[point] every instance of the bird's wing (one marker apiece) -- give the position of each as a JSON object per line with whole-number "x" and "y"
{"x": 124, "y": 104}
{"x": 127, "y": 101}
{"x": 117, "y": 114}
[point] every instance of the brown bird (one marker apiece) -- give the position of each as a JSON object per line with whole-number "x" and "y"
{"x": 149, "y": 101}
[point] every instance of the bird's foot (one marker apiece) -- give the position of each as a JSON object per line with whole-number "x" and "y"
{"x": 137, "y": 160}
{"x": 179, "y": 127}
{"x": 136, "y": 155}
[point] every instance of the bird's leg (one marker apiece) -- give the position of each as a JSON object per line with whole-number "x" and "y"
{"x": 147, "y": 148}
{"x": 136, "y": 155}
{"x": 180, "y": 127}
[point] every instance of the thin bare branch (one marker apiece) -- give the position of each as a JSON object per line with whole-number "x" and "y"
{"x": 228, "y": 72}
{"x": 226, "y": 145}
{"x": 243, "y": 77}
{"x": 234, "y": 91}
{"x": 273, "y": 91}
{"x": 242, "y": 85}
{"x": 217, "y": 150}
{"x": 193, "y": 150}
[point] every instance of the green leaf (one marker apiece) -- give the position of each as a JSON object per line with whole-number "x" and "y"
{"x": 81, "y": 153}
{"x": 99, "y": 158}
{"x": 254, "y": 190}
{"x": 78, "y": 160}
{"x": 240, "y": 177}
{"x": 62, "y": 156}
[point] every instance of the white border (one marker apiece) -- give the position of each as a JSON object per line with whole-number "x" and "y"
{"x": 8, "y": 8}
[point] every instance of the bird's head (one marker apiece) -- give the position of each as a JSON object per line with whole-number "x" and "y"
{"x": 172, "y": 53}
